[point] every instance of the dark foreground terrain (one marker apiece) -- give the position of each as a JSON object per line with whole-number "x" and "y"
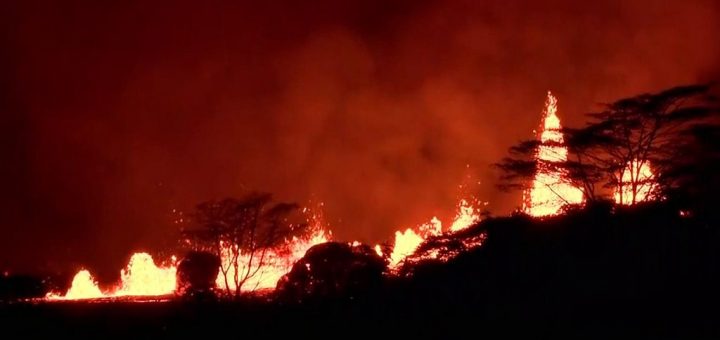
{"x": 678, "y": 317}
{"x": 647, "y": 272}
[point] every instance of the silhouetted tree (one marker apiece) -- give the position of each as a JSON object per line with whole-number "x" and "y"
{"x": 647, "y": 129}
{"x": 242, "y": 232}
{"x": 332, "y": 270}
{"x": 196, "y": 273}
{"x": 694, "y": 171}
{"x": 444, "y": 247}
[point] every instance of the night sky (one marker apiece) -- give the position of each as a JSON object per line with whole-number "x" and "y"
{"x": 113, "y": 114}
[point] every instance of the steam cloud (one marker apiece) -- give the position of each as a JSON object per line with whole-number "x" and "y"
{"x": 118, "y": 114}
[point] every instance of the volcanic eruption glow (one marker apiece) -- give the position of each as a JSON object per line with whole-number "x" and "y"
{"x": 637, "y": 184}
{"x": 83, "y": 286}
{"x": 141, "y": 277}
{"x": 406, "y": 242}
{"x": 262, "y": 271}
{"x": 550, "y": 189}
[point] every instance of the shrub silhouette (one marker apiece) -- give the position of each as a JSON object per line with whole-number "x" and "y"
{"x": 333, "y": 270}
{"x": 196, "y": 273}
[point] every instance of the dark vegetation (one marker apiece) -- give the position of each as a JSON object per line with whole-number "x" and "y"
{"x": 196, "y": 274}
{"x": 250, "y": 226}
{"x": 650, "y": 269}
{"x": 672, "y": 131}
{"x": 333, "y": 270}
{"x": 601, "y": 269}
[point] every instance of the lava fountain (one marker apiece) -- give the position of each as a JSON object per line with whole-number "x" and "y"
{"x": 406, "y": 242}
{"x": 141, "y": 277}
{"x": 550, "y": 189}
{"x": 83, "y": 286}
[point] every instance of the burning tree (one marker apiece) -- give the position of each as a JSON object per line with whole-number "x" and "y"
{"x": 245, "y": 233}
{"x": 627, "y": 149}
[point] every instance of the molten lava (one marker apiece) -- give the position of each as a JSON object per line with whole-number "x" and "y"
{"x": 141, "y": 277}
{"x": 256, "y": 273}
{"x": 83, "y": 287}
{"x": 408, "y": 241}
{"x": 467, "y": 215}
{"x": 637, "y": 184}
{"x": 550, "y": 189}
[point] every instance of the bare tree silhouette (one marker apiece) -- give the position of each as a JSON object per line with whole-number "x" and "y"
{"x": 242, "y": 232}
{"x": 647, "y": 129}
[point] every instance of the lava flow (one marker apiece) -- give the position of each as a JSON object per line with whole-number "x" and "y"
{"x": 141, "y": 277}
{"x": 265, "y": 273}
{"x": 550, "y": 189}
{"x": 406, "y": 242}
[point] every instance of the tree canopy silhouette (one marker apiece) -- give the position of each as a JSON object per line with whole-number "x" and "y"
{"x": 333, "y": 270}
{"x": 626, "y": 136}
{"x": 196, "y": 274}
{"x": 242, "y": 232}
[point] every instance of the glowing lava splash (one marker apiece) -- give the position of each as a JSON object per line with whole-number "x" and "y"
{"x": 141, "y": 277}
{"x": 550, "y": 189}
{"x": 265, "y": 273}
{"x": 83, "y": 287}
{"x": 637, "y": 184}
{"x": 406, "y": 242}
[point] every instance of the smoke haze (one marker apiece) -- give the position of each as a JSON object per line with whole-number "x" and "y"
{"x": 115, "y": 114}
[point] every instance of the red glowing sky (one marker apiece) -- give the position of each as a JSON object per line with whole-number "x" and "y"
{"x": 115, "y": 114}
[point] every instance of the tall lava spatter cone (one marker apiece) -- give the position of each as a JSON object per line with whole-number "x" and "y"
{"x": 550, "y": 189}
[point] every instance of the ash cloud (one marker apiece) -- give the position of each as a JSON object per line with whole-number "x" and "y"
{"x": 116, "y": 114}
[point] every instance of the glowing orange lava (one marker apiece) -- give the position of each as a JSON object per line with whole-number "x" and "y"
{"x": 406, "y": 242}
{"x": 276, "y": 263}
{"x": 636, "y": 184}
{"x": 550, "y": 190}
{"x": 467, "y": 215}
{"x": 141, "y": 277}
{"x": 83, "y": 286}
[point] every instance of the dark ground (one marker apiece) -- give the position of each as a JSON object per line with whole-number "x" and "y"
{"x": 644, "y": 272}
{"x": 611, "y": 317}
